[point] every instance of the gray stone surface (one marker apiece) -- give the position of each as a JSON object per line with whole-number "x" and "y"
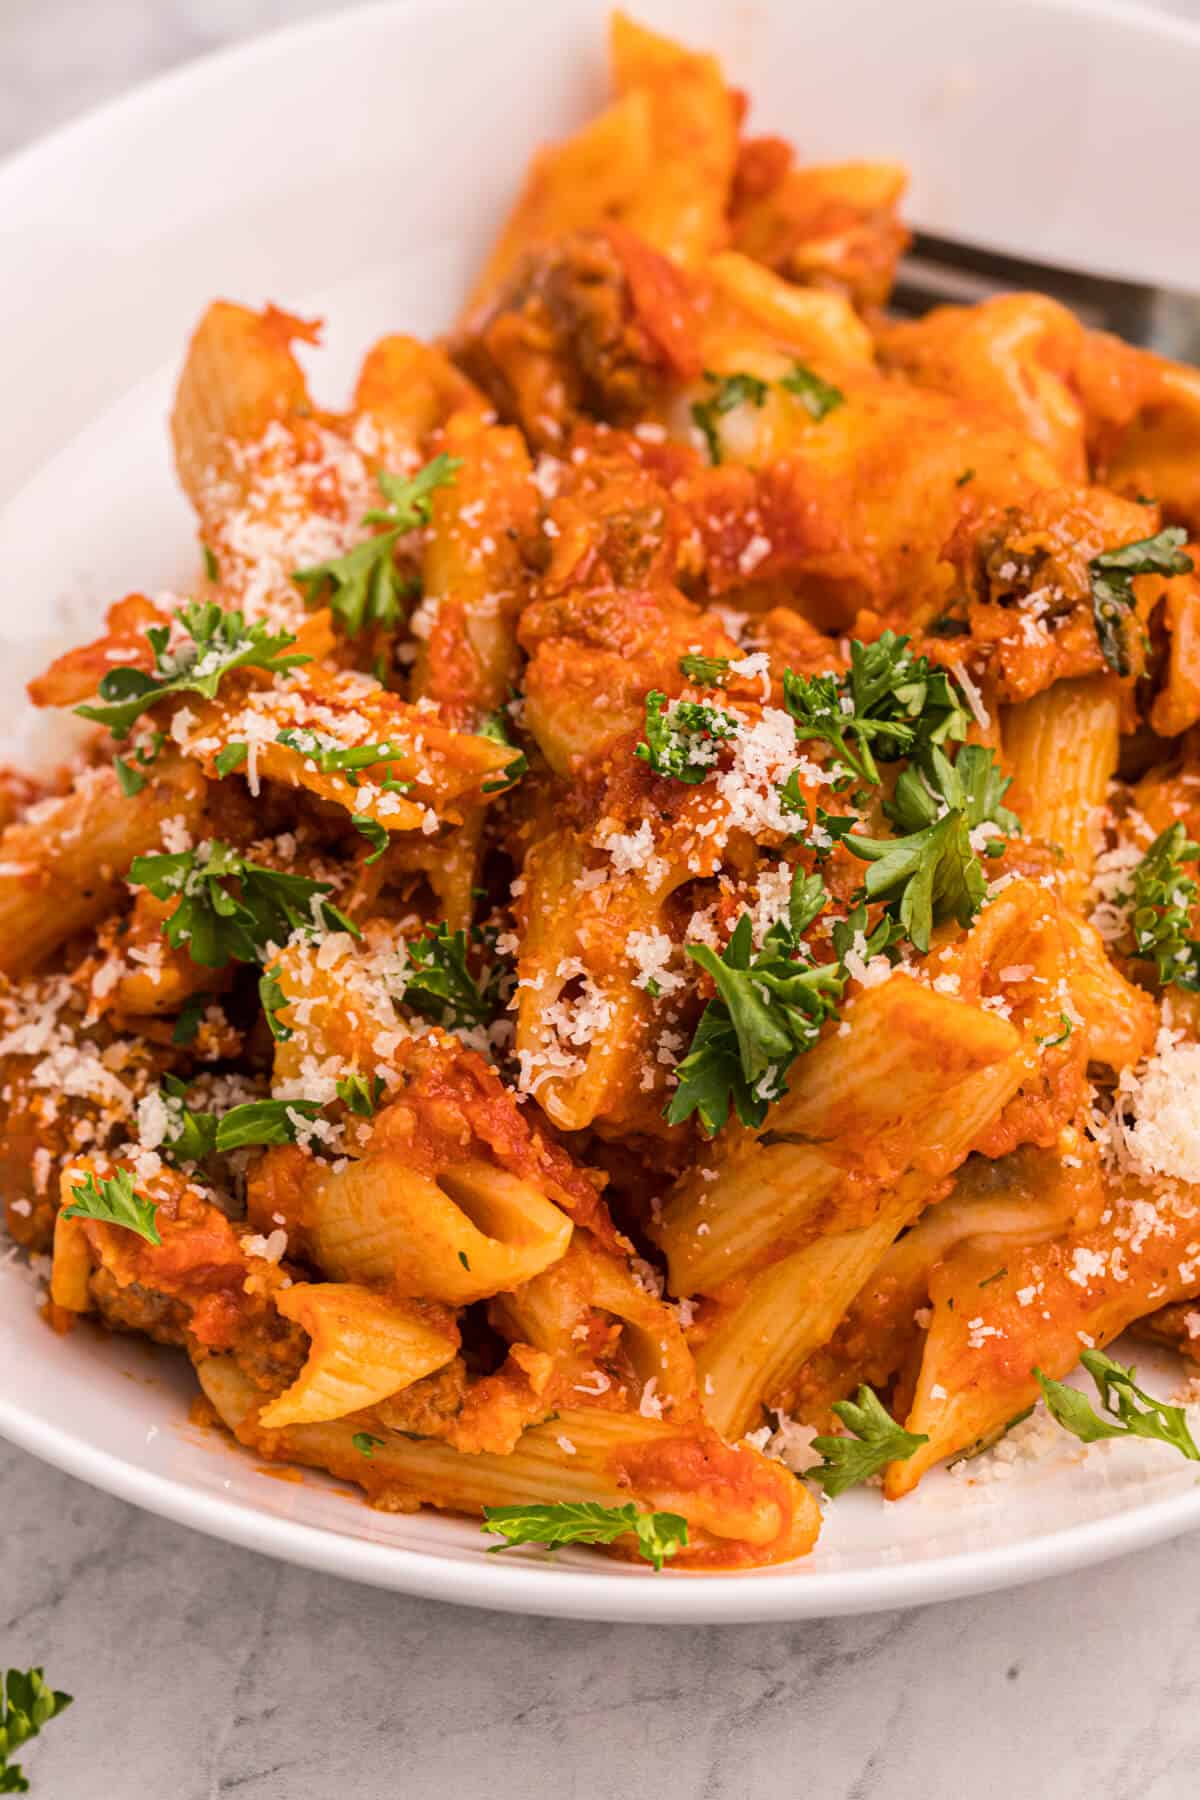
{"x": 203, "y": 1671}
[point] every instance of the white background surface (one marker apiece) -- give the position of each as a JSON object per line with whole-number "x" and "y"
{"x": 202, "y": 1671}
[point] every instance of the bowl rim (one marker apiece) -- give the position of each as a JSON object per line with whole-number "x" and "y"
{"x": 524, "y": 1581}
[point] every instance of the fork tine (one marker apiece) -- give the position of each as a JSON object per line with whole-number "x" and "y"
{"x": 941, "y": 271}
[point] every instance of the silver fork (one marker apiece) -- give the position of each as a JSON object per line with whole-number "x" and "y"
{"x": 940, "y": 270}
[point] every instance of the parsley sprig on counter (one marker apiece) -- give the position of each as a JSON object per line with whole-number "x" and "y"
{"x": 26, "y": 1704}
{"x": 217, "y": 643}
{"x": 874, "y": 1439}
{"x": 660, "y": 1535}
{"x": 363, "y": 587}
{"x": 930, "y": 871}
{"x": 769, "y": 1009}
{"x": 230, "y": 909}
{"x": 1131, "y": 1411}
{"x": 888, "y": 704}
{"x": 1112, "y": 574}
{"x": 112, "y": 1201}
{"x": 1163, "y": 897}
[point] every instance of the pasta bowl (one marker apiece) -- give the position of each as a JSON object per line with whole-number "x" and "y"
{"x": 118, "y": 229}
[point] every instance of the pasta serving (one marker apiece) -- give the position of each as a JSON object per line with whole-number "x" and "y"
{"x": 624, "y": 960}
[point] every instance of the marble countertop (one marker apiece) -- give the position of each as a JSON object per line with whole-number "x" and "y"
{"x": 202, "y": 1671}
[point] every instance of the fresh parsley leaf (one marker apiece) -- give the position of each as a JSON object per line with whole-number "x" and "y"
{"x": 1058, "y": 1037}
{"x": 114, "y": 1202}
{"x": 26, "y": 1704}
{"x": 364, "y": 587}
{"x": 231, "y": 757}
{"x": 659, "y": 1534}
{"x": 818, "y": 397}
{"x": 341, "y": 759}
{"x": 365, "y": 1444}
{"x": 705, "y": 671}
{"x": 272, "y": 999}
{"x": 495, "y": 727}
{"x": 875, "y": 1441}
{"x": 682, "y": 737}
{"x": 962, "y": 480}
{"x": 1163, "y": 897}
{"x": 1120, "y": 1398}
{"x": 931, "y": 871}
{"x": 769, "y": 1010}
{"x": 410, "y": 497}
{"x": 218, "y": 642}
{"x": 375, "y": 834}
{"x": 889, "y": 702}
{"x": 729, "y": 391}
{"x": 948, "y": 625}
{"x": 192, "y": 1135}
{"x": 439, "y": 984}
{"x": 212, "y": 567}
{"x": 131, "y": 781}
{"x": 1112, "y": 574}
{"x": 187, "y": 1023}
{"x": 361, "y": 1094}
{"x": 230, "y": 909}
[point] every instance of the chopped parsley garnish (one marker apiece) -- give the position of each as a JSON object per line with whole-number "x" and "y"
{"x": 465, "y": 1260}
{"x": 360, "y": 1094}
{"x": 659, "y": 1534}
{"x": 364, "y": 587}
{"x": 1163, "y": 897}
{"x": 26, "y": 1704}
{"x": 1057, "y": 1037}
{"x": 342, "y": 759}
{"x": 219, "y": 642}
{"x": 769, "y": 1009}
{"x": 930, "y": 872}
{"x": 495, "y": 727}
{"x": 682, "y": 737}
{"x": 212, "y": 567}
{"x": 365, "y": 1444}
{"x": 818, "y": 397}
{"x": 272, "y": 999}
{"x": 962, "y": 480}
{"x": 112, "y": 1201}
{"x": 1120, "y": 1399}
{"x": 230, "y": 909}
{"x": 230, "y": 758}
{"x": 888, "y": 704}
{"x": 194, "y": 1135}
{"x": 187, "y": 1024}
{"x": 875, "y": 1441}
{"x": 375, "y": 834}
{"x": 705, "y": 671}
{"x": 1112, "y": 574}
{"x": 729, "y": 391}
{"x": 948, "y": 625}
{"x": 440, "y": 986}
{"x": 131, "y": 779}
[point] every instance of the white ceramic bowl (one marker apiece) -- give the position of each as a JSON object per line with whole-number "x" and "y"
{"x": 356, "y": 167}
